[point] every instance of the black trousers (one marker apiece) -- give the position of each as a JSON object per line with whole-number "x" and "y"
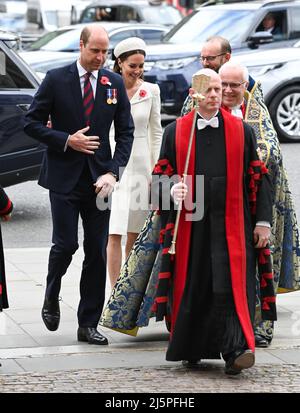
{"x": 66, "y": 209}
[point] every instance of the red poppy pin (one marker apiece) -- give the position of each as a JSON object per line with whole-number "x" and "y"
{"x": 105, "y": 81}
{"x": 142, "y": 93}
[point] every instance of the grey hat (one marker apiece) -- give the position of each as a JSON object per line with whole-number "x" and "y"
{"x": 128, "y": 45}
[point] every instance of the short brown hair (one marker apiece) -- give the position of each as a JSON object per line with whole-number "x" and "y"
{"x": 85, "y": 35}
{"x": 224, "y": 43}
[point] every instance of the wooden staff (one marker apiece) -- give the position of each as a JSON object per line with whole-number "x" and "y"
{"x": 200, "y": 84}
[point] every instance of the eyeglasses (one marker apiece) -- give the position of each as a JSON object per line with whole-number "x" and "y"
{"x": 210, "y": 58}
{"x": 232, "y": 85}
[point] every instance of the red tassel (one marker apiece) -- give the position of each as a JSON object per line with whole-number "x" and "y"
{"x": 160, "y": 300}
{"x": 261, "y": 258}
{"x": 263, "y": 283}
{"x": 267, "y": 275}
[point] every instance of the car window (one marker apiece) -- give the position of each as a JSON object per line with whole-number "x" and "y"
{"x": 11, "y": 77}
{"x": 274, "y": 22}
{"x": 99, "y": 13}
{"x": 196, "y": 28}
{"x": 116, "y": 38}
{"x": 150, "y": 36}
{"x": 166, "y": 15}
{"x": 67, "y": 41}
{"x": 45, "y": 39}
{"x": 127, "y": 14}
{"x": 295, "y": 23}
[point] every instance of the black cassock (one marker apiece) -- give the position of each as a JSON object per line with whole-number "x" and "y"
{"x": 207, "y": 323}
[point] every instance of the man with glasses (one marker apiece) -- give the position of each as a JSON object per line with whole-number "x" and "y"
{"x": 214, "y": 53}
{"x": 284, "y": 240}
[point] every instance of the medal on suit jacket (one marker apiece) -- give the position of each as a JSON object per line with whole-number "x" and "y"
{"x": 109, "y": 96}
{"x": 114, "y": 95}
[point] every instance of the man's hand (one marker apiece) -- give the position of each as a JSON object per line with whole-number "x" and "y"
{"x": 179, "y": 192}
{"x": 82, "y": 143}
{"x": 261, "y": 236}
{"x": 105, "y": 185}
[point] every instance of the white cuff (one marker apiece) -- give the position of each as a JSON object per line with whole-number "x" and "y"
{"x": 172, "y": 192}
{"x": 66, "y": 144}
{"x": 263, "y": 224}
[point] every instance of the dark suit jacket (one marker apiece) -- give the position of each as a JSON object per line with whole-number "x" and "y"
{"x": 276, "y": 31}
{"x": 60, "y": 97}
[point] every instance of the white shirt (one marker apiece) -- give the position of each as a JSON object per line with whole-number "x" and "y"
{"x": 93, "y": 78}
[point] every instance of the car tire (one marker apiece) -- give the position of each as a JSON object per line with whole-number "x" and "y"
{"x": 285, "y": 113}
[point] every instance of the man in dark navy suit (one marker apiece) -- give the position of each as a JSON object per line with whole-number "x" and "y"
{"x": 82, "y": 100}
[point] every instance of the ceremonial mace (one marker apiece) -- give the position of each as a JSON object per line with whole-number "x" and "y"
{"x": 200, "y": 85}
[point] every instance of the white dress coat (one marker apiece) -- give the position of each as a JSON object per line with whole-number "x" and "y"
{"x": 130, "y": 199}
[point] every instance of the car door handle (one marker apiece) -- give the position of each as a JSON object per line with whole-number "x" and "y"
{"x": 24, "y": 106}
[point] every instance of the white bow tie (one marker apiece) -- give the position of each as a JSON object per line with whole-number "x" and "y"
{"x": 213, "y": 122}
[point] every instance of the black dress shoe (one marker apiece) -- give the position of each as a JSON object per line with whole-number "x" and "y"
{"x": 191, "y": 364}
{"x": 240, "y": 360}
{"x": 91, "y": 335}
{"x": 51, "y": 314}
{"x": 261, "y": 341}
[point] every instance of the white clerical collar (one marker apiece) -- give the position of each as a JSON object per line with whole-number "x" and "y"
{"x": 236, "y": 110}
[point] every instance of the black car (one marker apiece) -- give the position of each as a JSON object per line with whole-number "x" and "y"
{"x": 20, "y": 156}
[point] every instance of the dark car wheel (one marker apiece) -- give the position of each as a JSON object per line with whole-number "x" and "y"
{"x": 285, "y": 113}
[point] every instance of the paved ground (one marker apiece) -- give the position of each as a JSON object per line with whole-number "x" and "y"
{"x": 37, "y": 360}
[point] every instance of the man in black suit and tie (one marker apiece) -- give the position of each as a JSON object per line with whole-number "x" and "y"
{"x": 82, "y": 100}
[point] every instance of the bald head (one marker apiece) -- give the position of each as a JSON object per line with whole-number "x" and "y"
{"x": 93, "y": 30}
{"x": 94, "y": 43}
{"x": 234, "y": 68}
{"x": 235, "y": 80}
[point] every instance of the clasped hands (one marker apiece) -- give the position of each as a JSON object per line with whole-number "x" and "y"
{"x": 261, "y": 234}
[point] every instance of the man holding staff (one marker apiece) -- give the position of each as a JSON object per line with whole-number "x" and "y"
{"x": 207, "y": 287}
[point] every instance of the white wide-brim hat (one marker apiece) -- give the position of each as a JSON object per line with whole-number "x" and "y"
{"x": 129, "y": 45}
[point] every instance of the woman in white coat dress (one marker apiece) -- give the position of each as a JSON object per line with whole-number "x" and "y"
{"x": 130, "y": 199}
